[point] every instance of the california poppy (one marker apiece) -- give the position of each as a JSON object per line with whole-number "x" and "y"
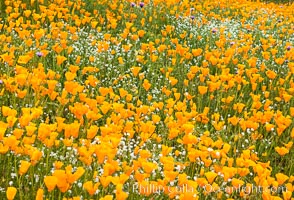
{"x": 10, "y": 193}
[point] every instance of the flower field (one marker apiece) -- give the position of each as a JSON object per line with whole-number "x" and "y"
{"x": 159, "y": 99}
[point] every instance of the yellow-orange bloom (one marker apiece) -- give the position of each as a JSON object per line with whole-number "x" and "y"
{"x": 24, "y": 59}
{"x": 62, "y": 180}
{"x": 146, "y": 85}
{"x": 202, "y": 89}
{"x": 210, "y": 176}
{"x": 60, "y": 59}
{"x": 271, "y": 74}
{"x": 50, "y": 182}
{"x": 107, "y": 197}
{"x": 196, "y": 52}
{"x": 74, "y": 177}
{"x": 10, "y": 193}
{"x": 148, "y": 167}
{"x": 281, "y": 178}
{"x": 135, "y": 70}
{"x": 281, "y": 150}
{"x": 120, "y": 194}
{"x": 91, "y": 189}
{"x": 24, "y": 166}
{"x": 40, "y": 194}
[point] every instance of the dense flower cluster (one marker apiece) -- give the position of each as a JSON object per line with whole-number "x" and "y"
{"x": 154, "y": 99}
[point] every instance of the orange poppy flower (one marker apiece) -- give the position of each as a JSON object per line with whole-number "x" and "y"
{"x": 40, "y": 194}
{"x": 50, "y": 182}
{"x": 281, "y": 151}
{"x": 60, "y": 59}
{"x": 62, "y": 180}
{"x": 76, "y": 175}
{"x": 105, "y": 181}
{"x": 210, "y": 176}
{"x": 146, "y": 85}
{"x": 135, "y": 70}
{"x": 120, "y": 194}
{"x": 271, "y": 74}
{"x": 148, "y": 167}
{"x": 10, "y": 193}
{"x": 24, "y": 166}
{"x": 24, "y": 59}
{"x": 202, "y": 89}
{"x": 281, "y": 178}
{"x": 196, "y": 52}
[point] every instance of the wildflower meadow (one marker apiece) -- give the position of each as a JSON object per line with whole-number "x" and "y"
{"x": 153, "y": 99}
